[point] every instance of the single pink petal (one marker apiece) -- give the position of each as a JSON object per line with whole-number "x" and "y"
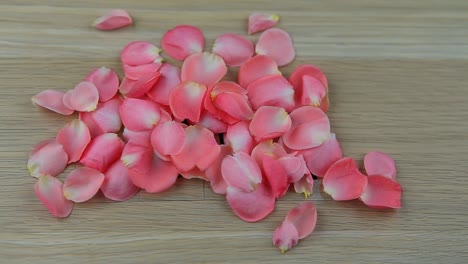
{"x": 182, "y": 41}
{"x": 200, "y": 149}
{"x": 235, "y": 49}
{"x": 241, "y": 171}
{"x": 304, "y": 218}
{"x": 310, "y": 128}
{"x": 251, "y": 206}
{"x": 105, "y": 119}
{"x": 320, "y": 158}
{"x": 186, "y": 100}
{"x": 268, "y": 147}
{"x": 273, "y": 90}
{"x": 269, "y": 122}
{"x": 239, "y": 138}
{"x": 84, "y": 97}
{"x": 49, "y": 191}
{"x": 259, "y": 22}
{"x": 194, "y": 173}
{"x": 379, "y": 163}
{"x": 212, "y": 123}
{"x": 139, "y": 114}
{"x": 296, "y": 78}
{"x": 256, "y": 68}
{"x": 138, "y": 88}
{"x": 205, "y": 68}
{"x": 136, "y": 72}
{"x": 52, "y": 100}
{"x": 213, "y": 172}
{"x": 115, "y": 19}
{"x": 162, "y": 175}
{"x": 276, "y": 44}
{"x": 294, "y": 165}
{"x": 117, "y": 185}
{"x": 169, "y": 79}
{"x": 232, "y": 99}
{"x": 285, "y": 236}
{"x": 167, "y": 138}
{"x": 276, "y": 176}
{"x": 74, "y": 137}
{"x": 106, "y": 82}
{"x": 47, "y": 158}
{"x": 102, "y": 151}
{"x": 312, "y": 92}
{"x": 343, "y": 181}
{"x": 217, "y": 113}
{"x": 305, "y": 185}
{"x": 139, "y": 52}
{"x": 139, "y": 137}
{"x": 137, "y": 157}
{"x": 382, "y": 192}
{"x": 82, "y": 184}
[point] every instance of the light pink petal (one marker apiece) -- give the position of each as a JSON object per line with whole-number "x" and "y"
{"x": 320, "y": 158}
{"x": 205, "y": 68}
{"x": 256, "y": 68}
{"x": 139, "y": 114}
{"x": 259, "y": 22}
{"x": 82, "y": 184}
{"x": 102, "y": 151}
{"x": 310, "y": 128}
{"x": 136, "y": 72}
{"x": 138, "y": 137}
{"x": 137, "y": 157}
{"x": 269, "y": 122}
{"x": 276, "y": 44}
{"x": 232, "y": 99}
{"x": 312, "y": 92}
{"x": 268, "y": 147}
{"x": 305, "y": 185}
{"x": 106, "y": 82}
{"x": 74, "y": 137}
{"x": 241, "y": 171}
{"x": 285, "y": 236}
{"x": 139, "y": 52}
{"x": 105, "y": 119}
{"x": 167, "y": 138}
{"x": 304, "y": 218}
{"x": 343, "y": 181}
{"x": 217, "y": 113}
{"x": 379, "y": 163}
{"x": 276, "y": 176}
{"x": 52, "y": 100}
{"x": 200, "y": 149}
{"x": 182, "y": 41}
{"x": 296, "y": 78}
{"x": 84, "y": 97}
{"x": 382, "y": 192}
{"x": 47, "y": 158}
{"x": 239, "y": 138}
{"x": 49, "y": 191}
{"x": 169, "y": 79}
{"x": 273, "y": 90}
{"x": 186, "y": 100}
{"x": 117, "y": 185}
{"x": 161, "y": 176}
{"x": 251, "y": 206}
{"x": 115, "y": 19}
{"x": 235, "y": 49}
{"x": 213, "y": 172}
{"x": 212, "y": 123}
{"x": 138, "y": 88}
{"x": 295, "y": 167}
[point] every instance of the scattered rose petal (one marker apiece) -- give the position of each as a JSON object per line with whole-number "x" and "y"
{"x": 343, "y": 181}
{"x": 167, "y": 137}
{"x": 259, "y": 22}
{"x": 48, "y": 157}
{"x": 139, "y": 53}
{"x": 256, "y": 68}
{"x": 251, "y": 206}
{"x": 285, "y": 236}
{"x": 105, "y": 119}
{"x": 74, "y": 137}
{"x": 304, "y": 185}
{"x": 304, "y": 218}
{"x": 115, "y": 19}
{"x": 269, "y": 122}
{"x": 241, "y": 171}
{"x": 379, "y": 163}
{"x": 205, "y": 68}
{"x": 82, "y": 184}
{"x": 213, "y": 172}
{"x": 106, "y": 82}
{"x": 137, "y": 156}
{"x": 169, "y": 79}
{"x": 84, "y": 97}
{"x": 231, "y": 99}
{"x": 276, "y": 175}
{"x": 138, "y": 88}
{"x": 52, "y": 100}
{"x": 186, "y": 100}
{"x": 182, "y": 41}
{"x": 239, "y": 138}
{"x": 212, "y": 123}
{"x": 273, "y": 90}
{"x": 139, "y": 137}
{"x": 312, "y": 93}
{"x": 320, "y": 158}
{"x": 49, "y": 191}
{"x": 139, "y": 114}
{"x": 117, "y": 185}
{"x": 276, "y": 44}
{"x": 102, "y": 151}
{"x": 235, "y": 49}
{"x": 382, "y": 192}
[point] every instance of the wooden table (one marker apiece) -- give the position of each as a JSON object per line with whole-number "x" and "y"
{"x": 398, "y": 73}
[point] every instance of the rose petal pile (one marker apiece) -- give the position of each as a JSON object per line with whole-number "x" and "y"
{"x": 251, "y": 139}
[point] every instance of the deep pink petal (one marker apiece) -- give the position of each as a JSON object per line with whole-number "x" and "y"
{"x": 136, "y": 72}
{"x": 235, "y": 49}
{"x": 379, "y": 163}
{"x": 205, "y": 68}
{"x": 102, "y": 151}
{"x": 215, "y": 112}
{"x": 277, "y": 44}
{"x": 52, "y": 100}
{"x": 117, "y": 185}
{"x": 105, "y": 119}
{"x": 139, "y": 87}
{"x": 241, "y": 171}
{"x": 115, "y": 19}
{"x": 139, "y": 52}
{"x": 213, "y": 172}
{"x": 294, "y": 165}
{"x": 276, "y": 176}
{"x": 186, "y": 100}
{"x": 169, "y": 79}
{"x": 320, "y": 158}
{"x": 382, "y": 192}
{"x": 296, "y": 77}
{"x": 343, "y": 181}
{"x": 304, "y": 218}
{"x": 239, "y": 138}
{"x": 106, "y": 82}
{"x": 74, "y": 137}
{"x": 269, "y": 122}
{"x": 273, "y": 90}
{"x": 84, "y": 97}
{"x": 49, "y": 191}
{"x": 137, "y": 156}
{"x": 305, "y": 185}
{"x": 259, "y": 22}
{"x": 139, "y": 114}
{"x": 182, "y": 41}
{"x": 167, "y": 138}
{"x": 251, "y": 206}
{"x": 268, "y": 147}
{"x": 82, "y": 184}
{"x": 285, "y": 236}
{"x": 312, "y": 93}
{"x": 232, "y": 99}
{"x": 256, "y": 68}
{"x": 47, "y": 158}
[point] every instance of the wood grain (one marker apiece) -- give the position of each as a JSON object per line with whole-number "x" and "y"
{"x": 398, "y": 83}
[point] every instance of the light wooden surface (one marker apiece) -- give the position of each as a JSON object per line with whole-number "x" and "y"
{"x": 398, "y": 73}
